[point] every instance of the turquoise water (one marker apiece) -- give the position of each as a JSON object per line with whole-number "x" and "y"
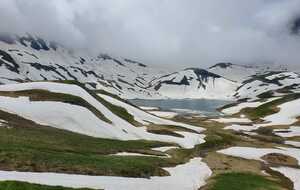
{"x": 201, "y": 106}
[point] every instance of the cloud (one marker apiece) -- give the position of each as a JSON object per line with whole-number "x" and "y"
{"x": 165, "y": 32}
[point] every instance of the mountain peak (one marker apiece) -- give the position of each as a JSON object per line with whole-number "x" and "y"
{"x": 203, "y": 73}
{"x": 29, "y": 40}
{"x": 221, "y": 65}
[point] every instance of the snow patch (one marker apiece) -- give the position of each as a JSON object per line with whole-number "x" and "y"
{"x": 81, "y": 120}
{"x": 164, "y": 114}
{"x": 291, "y": 132}
{"x": 287, "y": 115}
{"x": 237, "y": 108}
{"x": 148, "y": 108}
{"x": 291, "y": 173}
{"x": 236, "y": 127}
{"x": 257, "y": 153}
{"x": 232, "y": 120}
{"x": 189, "y": 176}
{"x": 294, "y": 143}
{"x": 165, "y": 148}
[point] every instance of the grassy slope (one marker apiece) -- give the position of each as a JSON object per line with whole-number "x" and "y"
{"x": 245, "y": 181}
{"x": 61, "y": 151}
{"x": 44, "y": 95}
{"x": 119, "y": 111}
{"x": 26, "y": 146}
{"x": 217, "y": 138}
{"x": 68, "y": 154}
{"x": 268, "y": 108}
{"x": 14, "y": 185}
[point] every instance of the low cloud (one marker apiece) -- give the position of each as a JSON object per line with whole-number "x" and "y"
{"x": 166, "y": 32}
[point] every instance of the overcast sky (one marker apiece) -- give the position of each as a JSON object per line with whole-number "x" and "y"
{"x": 177, "y": 33}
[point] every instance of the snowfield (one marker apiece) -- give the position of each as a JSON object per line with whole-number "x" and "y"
{"x": 237, "y": 108}
{"x": 293, "y": 143}
{"x": 146, "y": 118}
{"x": 287, "y": 115}
{"x": 255, "y": 87}
{"x": 233, "y": 71}
{"x": 165, "y": 148}
{"x": 147, "y": 108}
{"x": 291, "y": 132}
{"x": 51, "y": 61}
{"x": 63, "y": 116}
{"x": 291, "y": 173}
{"x": 79, "y": 119}
{"x": 189, "y": 176}
{"x": 236, "y": 127}
{"x": 137, "y": 154}
{"x": 232, "y": 120}
{"x": 165, "y": 114}
{"x": 194, "y": 83}
{"x": 31, "y": 58}
{"x": 257, "y": 153}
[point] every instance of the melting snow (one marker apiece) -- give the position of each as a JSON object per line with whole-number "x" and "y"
{"x": 239, "y": 107}
{"x": 148, "y": 108}
{"x": 291, "y": 132}
{"x": 236, "y": 127}
{"x": 81, "y": 120}
{"x": 257, "y": 153}
{"x": 165, "y": 148}
{"x": 287, "y": 115}
{"x": 146, "y": 118}
{"x": 189, "y": 176}
{"x": 291, "y": 173}
{"x": 164, "y": 114}
{"x": 232, "y": 120}
{"x": 294, "y": 143}
{"x": 135, "y": 154}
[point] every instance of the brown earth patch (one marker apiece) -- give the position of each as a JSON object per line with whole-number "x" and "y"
{"x": 280, "y": 159}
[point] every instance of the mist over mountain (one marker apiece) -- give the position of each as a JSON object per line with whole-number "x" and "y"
{"x": 164, "y": 33}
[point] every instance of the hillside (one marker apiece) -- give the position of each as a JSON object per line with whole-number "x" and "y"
{"x": 234, "y": 72}
{"x": 72, "y": 108}
{"x": 268, "y": 83}
{"x": 239, "y": 73}
{"x": 31, "y": 58}
{"x": 194, "y": 83}
{"x": 82, "y": 133}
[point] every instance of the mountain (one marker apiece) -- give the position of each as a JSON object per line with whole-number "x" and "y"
{"x": 268, "y": 83}
{"x": 232, "y": 71}
{"x": 194, "y": 83}
{"x": 240, "y": 73}
{"x": 31, "y": 58}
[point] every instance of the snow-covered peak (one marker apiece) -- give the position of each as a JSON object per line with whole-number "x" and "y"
{"x": 239, "y": 73}
{"x": 268, "y": 82}
{"x": 194, "y": 83}
{"x": 233, "y": 72}
{"x": 31, "y": 58}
